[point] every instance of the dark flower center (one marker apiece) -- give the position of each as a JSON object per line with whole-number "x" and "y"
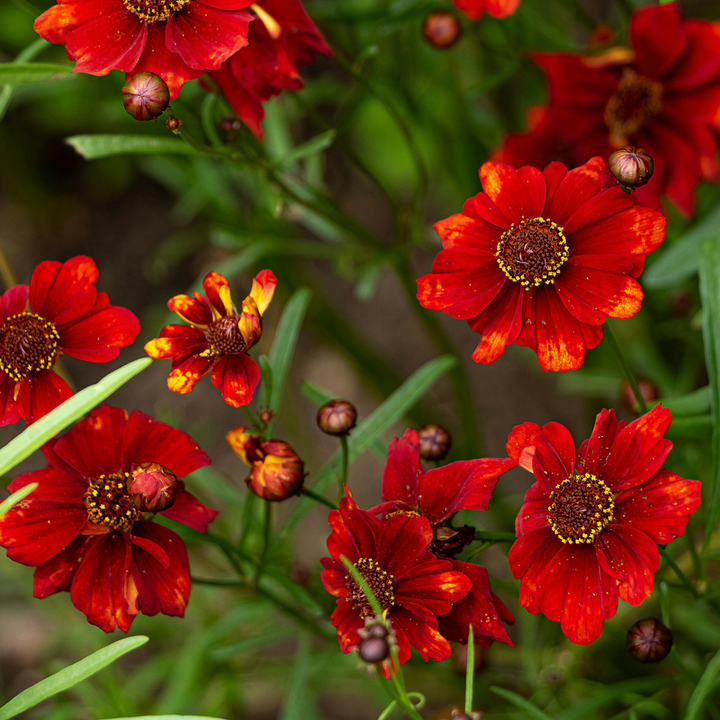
{"x": 533, "y": 252}
{"x": 582, "y": 506}
{"x": 152, "y": 11}
{"x": 379, "y": 582}
{"x": 636, "y": 102}
{"x": 28, "y": 345}
{"x": 109, "y": 504}
{"x": 223, "y": 336}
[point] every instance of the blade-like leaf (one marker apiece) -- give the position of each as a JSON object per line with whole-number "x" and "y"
{"x": 311, "y": 147}
{"x": 16, "y": 497}
{"x": 93, "y": 147}
{"x": 70, "y": 676}
{"x": 73, "y": 408}
{"x": 295, "y": 706}
{"x": 368, "y": 431}
{"x": 695, "y": 403}
{"x": 703, "y": 689}
{"x": 520, "y": 702}
{"x": 25, "y": 73}
{"x": 604, "y": 695}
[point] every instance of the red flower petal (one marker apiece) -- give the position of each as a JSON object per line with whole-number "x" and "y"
{"x": 99, "y": 335}
{"x": 217, "y": 291}
{"x": 593, "y": 453}
{"x": 659, "y": 507}
{"x": 188, "y": 510}
{"x": 354, "y": 532}
{"x": 56, "y": 574}
{"x": 205, "y": 37}
{"x": 499, "y": 324}
{"x": 402, "y": 539}
{"x": 149, "y": 440}
{"x": 657, "y": 39}
{"x": 178, "y": 342}
{"x": 9, "y": 410}
{"x": 481, "y": 207}
{"x": 333, "y": 577}
{"x": 55, "y": 24}
{"x": 576, "y": 188}
{"x": 98, "y": 588}
{"x": 402, "y": 470}
{"x": 430, "y": 587}
{"x": 551, "y": 446}
{"x": 474, "y": 233}
{"x": 237, "y": 377}
{"x": 533, "y": 514}
{"x": 62, "y": 292}
{"x": 14, "y": 302}
{"x": 183, "y": 378}
{"x": 160, "y": 588}
{"x": 474, "y": 9}
{"x": 426, "y": 640}
{"x": 41, "y": 393}
{"x": 195, "y": 310}
{"x": 465, "y": 485}
{"x": 517, "y": 194}
{"x": 347, "y": 621}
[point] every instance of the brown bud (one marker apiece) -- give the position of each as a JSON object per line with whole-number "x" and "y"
{"x": 145, "y": 96}
{"x": 649, "y": 641}
{"x": 265, "y": 416}
{"x": 648, "y": 390}
{"x": 337, "y": 417}
{"x": 450, "y": 541}
{"x": 280, "y": 473}
{"x": 442, "y": 29}
{"x": 631, "y": 167}
{"x": 435, "y": 442}
{"x": 376, "y": 639}
{"x": 172, "y": 123}
{"x": 152, "y": 488}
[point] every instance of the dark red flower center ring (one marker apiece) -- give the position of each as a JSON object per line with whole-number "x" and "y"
{"x": 152, "y": 11}
{"x": 582, "y": 506}
{"x": 532, "y": 252}
{"x": 379, "y": 582}
{"x": 29, "y": 344}
{"x": 224, "y": 336}
{"x": 637, "y": 101}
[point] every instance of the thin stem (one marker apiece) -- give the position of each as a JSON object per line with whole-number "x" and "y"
{"x": 218, "y": 583}
{"x": 267, "y": 529}
{"x": 317, "y": 497}
{"x": 629, "y": 374}
{"x": 342, "y": 479}
{"x": 470, "y": 671}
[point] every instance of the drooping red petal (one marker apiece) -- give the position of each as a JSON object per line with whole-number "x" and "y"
{"x": 499, "y": 324}
{"x": 188, "y": 510}
{"x": 237, "y": 377}
{"x": 98, "y": 588}
{"x": 465, "y": 485}
{"x": 195, "y": 310}
{"x": 40, "y": 394}
{"x": 183, "y": 378}
{"x": 425, "y": 639}
{"x": 333, "y": 577}
{"x": 403, "y": 470}
{"x": 56, "y": 574}
{"x": 178, "y": 342}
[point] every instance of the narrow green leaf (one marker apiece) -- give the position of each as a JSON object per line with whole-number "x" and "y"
{"x": 604, "y": 695}
{"x": 370, "y": 429}
{"x": 93, "y": 147}
{"x": 691, "y": 428}
{"x": 311, "y": 147}
{"x": 695, "y": 403}
{"x": 70, "y": 676}
{"x": 295, "y": 704}
{"x": 710, "y": 297}
{"x": 16, "y": 497}
{"x": 267, "y": 376}
{"x": 470, "y": 671}
{"x": 26, "y": 73}
{"x": 73, "y": 408}
{"x": 703, "y": 689}
{"x": 664, "y": 603}
{"x": 387, "y": 712}
{"x": 521, "y": 702}
{"x": 27, "y": 54}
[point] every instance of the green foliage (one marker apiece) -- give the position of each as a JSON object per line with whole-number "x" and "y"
{"x": 94, "y": 147}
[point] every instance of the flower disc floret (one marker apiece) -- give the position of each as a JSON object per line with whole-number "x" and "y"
{"x": 152, "y": 11}
{"x": 582, "y": 506}
{"x": 108, "y": 502}
{"x": 532, "y": 252}
{"x": 637, "y": 101}
{"x": 29, "y": 344}
{"x": 224, "y": 336}
{"x": 379, "y": 582}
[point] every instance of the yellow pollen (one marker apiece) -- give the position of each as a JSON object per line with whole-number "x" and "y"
{"x": 380, "y": 583}
{"x": 29, "y": 344}
{"x": 152, "y": 11}
{"x": 116, "y": 508}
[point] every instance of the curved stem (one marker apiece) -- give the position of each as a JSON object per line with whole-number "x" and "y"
{"x": 629, "y": 374}
{"x": 317, "y": 497}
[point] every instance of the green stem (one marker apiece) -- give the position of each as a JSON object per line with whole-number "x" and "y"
{"x": 470, "y": 671}
{"x": 267, "y": 529}
{"x": 317, "y": 497}
{"x": 251, "y": 418}
{"x": 629, "y": 374}
{"x": 218, "y": 583}
{"x": 342, "y": 479}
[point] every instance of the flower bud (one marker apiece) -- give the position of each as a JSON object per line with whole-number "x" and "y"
{"x": 459, "y": 715}
{"x": 337, "y": 417}
{"x": 648, "y": 390}
{"x": 442, "y": 29}
{"x": 279, "y": 475}
{"x": 435, "y": 442}
{"x": 145, "y": 96}
{"x": 376, "y": 639}
{"x": 649, "y": 641}
{"x": 152, "y": 487}
{"x": 246, "y": 446}
{"x": 172, "y": 123}
{"x": 448, "y": 541}
{"x": 631, "y": 167}
{"x": 229, "y": 124}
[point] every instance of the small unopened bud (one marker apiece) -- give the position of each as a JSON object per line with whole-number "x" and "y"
{"x": 145, "y": 96}
{"x": 337, "y": 417}
{"x": 265, "y": 416}
{"x": 435, "y": 442}
{"x": 229, "y": 124}
{"x": 172, "y": 123}
{"x": 442, "y": 29}
{"x": 649, "y": 641}
{"x": 631, "y": 167}
{"x": 280, "y": 473}
{"x": 648, "y": 390}
{"x": 376, "y": 639}
{"x": 152, "y": 488}
{"x": 450, "y": 541}
{"x": 459, "y": 715}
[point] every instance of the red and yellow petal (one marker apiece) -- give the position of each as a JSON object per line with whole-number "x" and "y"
{"x": 263, "y": 289}
{"x": 195, "y": 310}
{"x": 39, "y": 394}
{"x": 177, "y": 341}
{"x": 425, "y": 639}
{"x": 183, "y": 378}
{"x": 236, "y": 376}
{"x": 575, "y": 189}
{"x": 474, "y": 9}
{"x": 517, "y": 194}
{"x": 499, "y": 324}
{"x": 56, "y": 575}
{"x": 217, "y": 291}
{"x": 250, "y": 323}
{"x": 9, "y": 409}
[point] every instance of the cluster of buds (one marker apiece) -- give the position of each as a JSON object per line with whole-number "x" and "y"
{"x": 442, "y": 29}
{"x": 376, "y": 640}
{"x": 632, "y": 167}
{"x": 435, "y": 442}
{"x": 337, "y": 417}
{"x": 277, "y": 472}
{"x": 649, "y": 641}
{"x": 152, "y": 487}
{"x": 145, "y": 96}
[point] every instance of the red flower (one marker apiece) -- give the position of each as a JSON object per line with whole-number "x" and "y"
{"x": 588, "y": 528}
{"x": 474, "y": 9}
{"x": 410, "y": 583}
{"x": 60, "y": 313}
{"x": 176, "y": 39}
{"x": 282, "y": 38}
{"x": 218, "y": 339}
{"x": 663, "y": 96}
{"x": 82, "y": 532}
{"x": 541, "y": 259}
{"x": 437, "y": 495}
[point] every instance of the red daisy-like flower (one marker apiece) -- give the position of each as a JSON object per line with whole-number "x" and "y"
{"x": 218, "y": 338}
{"x": 542, "y": 259}
{"x": 176, "y": 39}
{"x": 475, "y": 9}
{"x": 588, "y": 528}
{"x": 662, "y": 96}
{"x": 412, "y": 586}
{"x": 282, "y": 38}
{"x": 437, "y": 495}
{"x": 60, "y": 313}
{"x": 83, "y": 532}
